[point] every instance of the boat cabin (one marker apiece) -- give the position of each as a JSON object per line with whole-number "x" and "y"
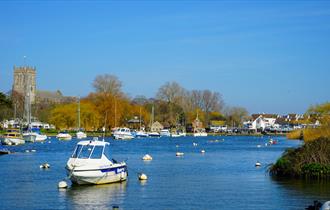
{"x": 90, "y": 150}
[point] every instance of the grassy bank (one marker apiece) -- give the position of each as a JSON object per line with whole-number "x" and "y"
{"x": 310, "y": 134}
{"x": 312, "y": 160}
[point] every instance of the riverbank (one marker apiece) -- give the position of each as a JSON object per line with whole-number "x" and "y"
{"x": 312, "y": 160}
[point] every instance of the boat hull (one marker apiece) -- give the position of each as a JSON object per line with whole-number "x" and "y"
{"x": 81, "y": 135}
{"x": 200, "y": 134}
{"x": 64, "y": 136}
{"x": 123, "y": 136}
{"x": 40, "y": 137}
{"x": 98, "y": 176}
{"x": 12, "y": 141}
{"x": 29, "y": 137}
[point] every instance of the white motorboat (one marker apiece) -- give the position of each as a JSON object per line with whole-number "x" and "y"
{"x": 81, "y": 135}
{"x": 178, "y": 134}
{"x": 90, "y": 164}
{"x": 165, "y": 132}
{"x": 13, "y": 137}
{"x": 64, "y": 136}
{"x": 174, "y": 135}
{"x": 40, "y": 137}
{"x": 122, "y": 133}
{"x": 141, "y": 134}
{"x": 153, "y": 134}
{"x": 200, "y": 132}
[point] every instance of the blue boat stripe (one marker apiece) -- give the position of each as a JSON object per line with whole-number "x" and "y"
{"x": 116, "y": 170}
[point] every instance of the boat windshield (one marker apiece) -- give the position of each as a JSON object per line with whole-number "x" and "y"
{"x": 88, "y": 151}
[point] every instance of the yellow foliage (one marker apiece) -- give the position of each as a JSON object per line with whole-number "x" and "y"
{"x": 295, "y": 134}
{"x": 311, "y": 134}
{"x": 218, "y": 122}
{"x": 65, "y": 116}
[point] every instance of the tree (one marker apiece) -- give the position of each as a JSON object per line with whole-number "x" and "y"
{"x": 170, "y": 92}
{"x": 211, "y": 101}
{"x": 173, "y": 95}
{"x": 64, "y": 116}
{"x": 236, "y": 115}
{"x": 5, "y": 107}
{"x": 320, "y": 112}
{"x": 107, "y": 84}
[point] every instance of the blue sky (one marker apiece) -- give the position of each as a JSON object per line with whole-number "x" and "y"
{"x": 265, "y": 56}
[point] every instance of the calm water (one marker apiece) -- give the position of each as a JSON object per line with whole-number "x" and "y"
{"x": 222, "y": 178}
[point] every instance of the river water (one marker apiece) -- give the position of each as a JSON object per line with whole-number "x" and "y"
{"x": 224, "y": 177}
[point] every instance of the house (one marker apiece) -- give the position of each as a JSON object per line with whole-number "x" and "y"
{"x": 134, "y": 123}
{"x": 156, "y": 127}
{"x": 218, "y": 126}
{"x": 261, "y": 122}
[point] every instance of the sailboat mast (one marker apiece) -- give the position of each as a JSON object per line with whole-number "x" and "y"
{"x": 115, "y": 113}
{"x": 78, "y": 113}
{"x": 152, "y": 114}
{"x": 140, "y": 118}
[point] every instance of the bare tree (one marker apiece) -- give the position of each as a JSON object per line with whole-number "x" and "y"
{"x": 107, "y": 84}
{"x": 211, "y": 102}
{"x": 170, "y": 92}
{"x": 173, "y": 94}
{"x": 235, "y": 115}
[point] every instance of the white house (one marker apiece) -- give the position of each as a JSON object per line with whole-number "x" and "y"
{"x": 261, "y": 121}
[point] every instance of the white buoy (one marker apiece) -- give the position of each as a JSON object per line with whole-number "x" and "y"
{"x": 27, "y": 150}
{"x": 143, "y": 176}
{"x": 176, "y": 146}
{"x": 45, "y": 166}
{"x": 62, "y": 184}
{"x": 258, "y": 164}
{"x": 202, "y": 151}
{"x": 33, "y": 150}
{"x": 258, "y": 145}
{"x": 147, "y": 157}
{"x": 195, "y": 144}
{"x": 178, "y": 154}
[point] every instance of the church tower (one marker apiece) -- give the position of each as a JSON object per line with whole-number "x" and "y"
{"x": 25, "y": 82}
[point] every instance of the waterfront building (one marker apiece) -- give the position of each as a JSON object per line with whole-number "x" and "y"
{"x": 156, "y": 127}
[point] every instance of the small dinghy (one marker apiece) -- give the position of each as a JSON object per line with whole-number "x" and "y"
{"x": 90, "y": 164}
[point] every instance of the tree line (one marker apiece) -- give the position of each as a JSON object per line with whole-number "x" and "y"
{"x": 109, "y": 106}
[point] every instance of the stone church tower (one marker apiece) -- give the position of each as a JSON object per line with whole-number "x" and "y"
{"x": 25, "y": 81}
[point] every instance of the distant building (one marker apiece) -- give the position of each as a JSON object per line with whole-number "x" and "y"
{"x": 156, "y": 127}
{"x": 50, "y": 96}
{"x": 197, "y": 124}
{"x": 261, "y": 121}
{"x": 25, "y": 81}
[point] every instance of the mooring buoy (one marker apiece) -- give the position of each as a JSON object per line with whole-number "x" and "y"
{"x": 147, "y": 157}
{"x": 178, "y": 154}
{"x": 62, "y": 184}
{"x": 45, "y": 166}
{"x": 143, "y": 176}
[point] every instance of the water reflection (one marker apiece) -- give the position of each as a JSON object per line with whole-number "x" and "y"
{"x": 96, "y": 196}
{"x": 304, "y": 188}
